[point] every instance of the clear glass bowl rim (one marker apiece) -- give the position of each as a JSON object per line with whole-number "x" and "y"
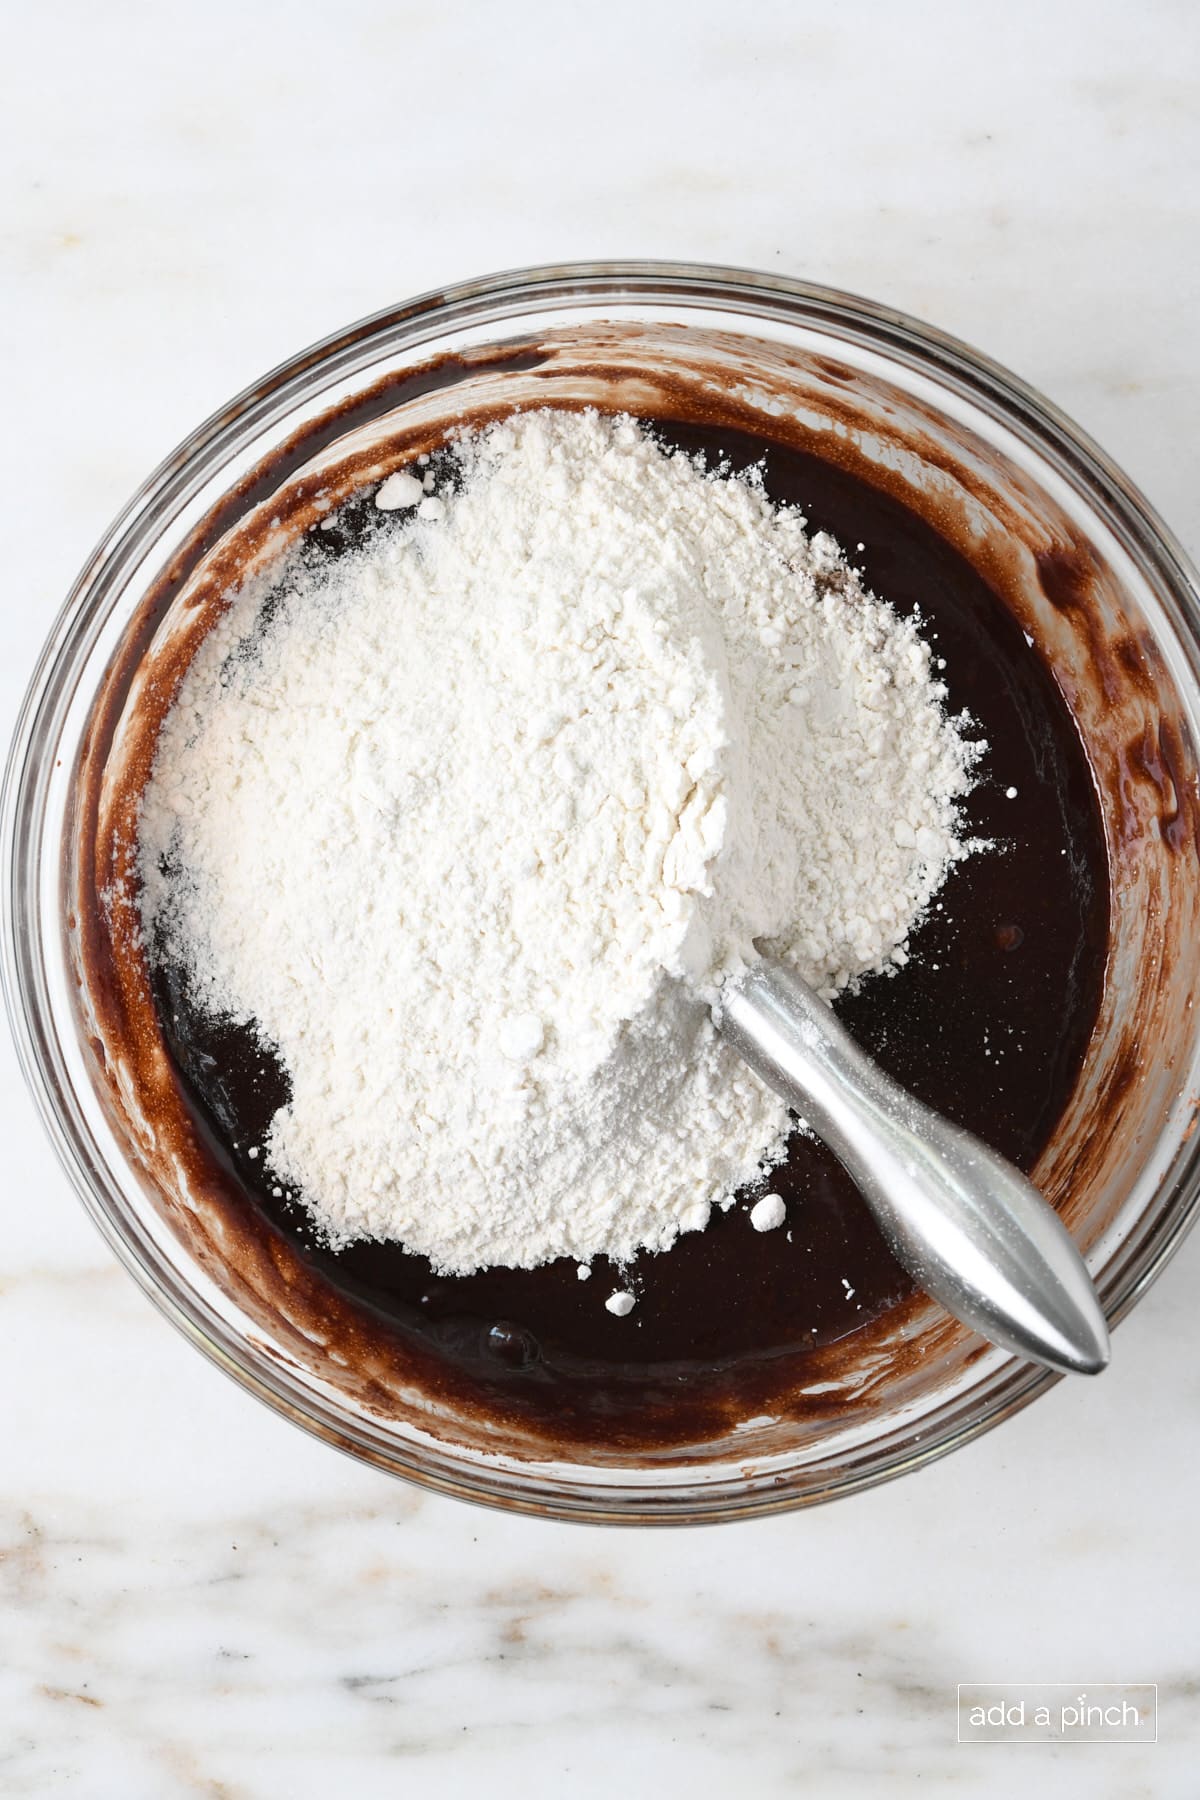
{"x": 491, "y": 299}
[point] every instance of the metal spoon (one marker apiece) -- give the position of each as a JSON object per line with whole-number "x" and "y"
{"x": 966, "y": 1225}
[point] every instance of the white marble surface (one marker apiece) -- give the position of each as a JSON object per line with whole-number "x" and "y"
{"x": 198, "y": 1601}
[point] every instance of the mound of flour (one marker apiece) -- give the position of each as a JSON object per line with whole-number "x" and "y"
{"x": 471, "y": 822}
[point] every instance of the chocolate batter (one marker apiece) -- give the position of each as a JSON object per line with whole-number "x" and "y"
{"x": 988, "y": 1023}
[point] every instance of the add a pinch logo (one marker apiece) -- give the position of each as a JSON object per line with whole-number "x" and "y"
{"x": 1057, "y": 1712}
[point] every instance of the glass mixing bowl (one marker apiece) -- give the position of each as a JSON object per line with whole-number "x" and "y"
{"x": 1099, "y": 585}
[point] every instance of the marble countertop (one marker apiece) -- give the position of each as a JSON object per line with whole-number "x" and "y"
{"x": 198, "y": 1600}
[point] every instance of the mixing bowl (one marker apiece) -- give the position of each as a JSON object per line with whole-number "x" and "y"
{"x": 1095, "y": 579}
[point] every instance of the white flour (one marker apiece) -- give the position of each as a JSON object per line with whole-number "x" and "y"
{"x": 471, "y": 822}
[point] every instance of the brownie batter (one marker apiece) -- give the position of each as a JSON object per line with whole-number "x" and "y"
{"x": 988, "y": 1023}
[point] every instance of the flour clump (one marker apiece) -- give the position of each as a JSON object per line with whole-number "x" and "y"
{"x": 470, "y": 822}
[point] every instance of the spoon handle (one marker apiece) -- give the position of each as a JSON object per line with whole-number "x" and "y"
{"x": 969, "y": 1228}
